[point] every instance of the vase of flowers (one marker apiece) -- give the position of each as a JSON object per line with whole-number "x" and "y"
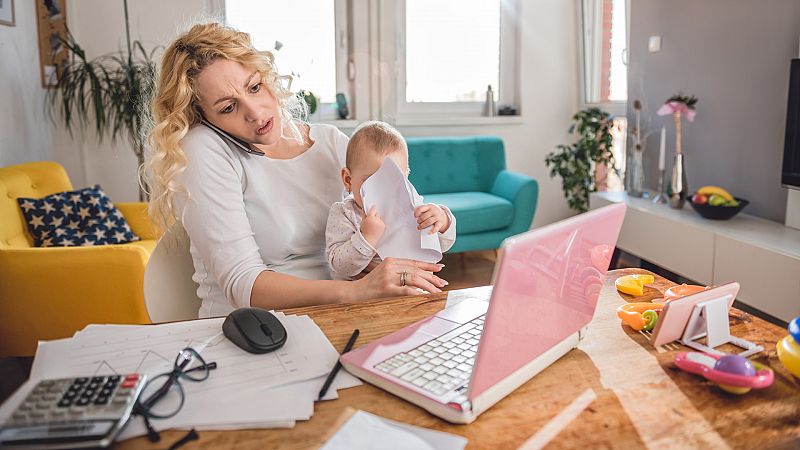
{"x": 678, "y": 106}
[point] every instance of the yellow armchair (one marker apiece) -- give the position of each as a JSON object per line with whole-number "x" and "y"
{"x": 50, "y": 293}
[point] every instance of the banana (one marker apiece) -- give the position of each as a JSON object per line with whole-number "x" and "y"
{"x": 709, "y": 190}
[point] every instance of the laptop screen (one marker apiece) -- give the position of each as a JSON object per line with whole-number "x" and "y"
{"x": 546, "y": 286}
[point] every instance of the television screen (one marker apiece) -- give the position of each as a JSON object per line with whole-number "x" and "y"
{"x": 791, "y": 150}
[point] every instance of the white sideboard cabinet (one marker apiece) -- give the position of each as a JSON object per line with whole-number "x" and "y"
{"x": 763, "y": 256}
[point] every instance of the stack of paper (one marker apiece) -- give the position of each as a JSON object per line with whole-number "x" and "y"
{"x": 365, "y": 431}
{"x": 245, "y": 391}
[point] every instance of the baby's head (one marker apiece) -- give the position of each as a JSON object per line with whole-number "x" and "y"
{"x": 369, "y": 146}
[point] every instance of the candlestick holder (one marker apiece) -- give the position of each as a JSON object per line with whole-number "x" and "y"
{"x": 661, "y": 197}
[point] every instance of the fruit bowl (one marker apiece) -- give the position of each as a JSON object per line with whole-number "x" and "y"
{"x": 719, "y": 212}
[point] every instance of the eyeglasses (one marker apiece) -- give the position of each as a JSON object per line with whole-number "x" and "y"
{"x": 163, "y": 396}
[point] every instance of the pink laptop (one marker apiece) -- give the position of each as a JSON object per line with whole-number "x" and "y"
{"x": 464, "y": 359}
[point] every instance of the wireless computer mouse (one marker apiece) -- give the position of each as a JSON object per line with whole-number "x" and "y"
{"x": 255, "y": 330}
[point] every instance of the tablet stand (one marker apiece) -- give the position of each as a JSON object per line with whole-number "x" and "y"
{"x": 709, "y": 319}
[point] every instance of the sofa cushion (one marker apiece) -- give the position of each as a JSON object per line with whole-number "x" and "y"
{"x": 75, "y": 218}
{"x": 455, "y": 164}
{"x": 476, "y": 211}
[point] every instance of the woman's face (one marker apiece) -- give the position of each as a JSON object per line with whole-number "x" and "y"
{"x": 235, "y": 99}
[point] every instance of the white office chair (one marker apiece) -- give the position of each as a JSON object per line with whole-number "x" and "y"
{"x": 170, "y": 294}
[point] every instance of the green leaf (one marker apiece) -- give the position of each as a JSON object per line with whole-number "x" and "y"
{"x": 575, "y": 163}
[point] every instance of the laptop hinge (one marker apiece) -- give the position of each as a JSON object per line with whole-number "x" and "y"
{"x": 460, "y": 403}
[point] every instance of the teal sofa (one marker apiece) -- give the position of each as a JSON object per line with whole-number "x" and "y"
{"x": 469, "y": 176}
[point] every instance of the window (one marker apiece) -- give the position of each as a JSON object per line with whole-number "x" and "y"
{"x": 302, "y": 35}
{"x": 447, "y": 53}
{"x": 444, "y": 40}
{"x": 604, "y": 41}
{"x": 401, "y": 59}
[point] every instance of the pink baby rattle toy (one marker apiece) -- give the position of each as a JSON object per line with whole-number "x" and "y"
{"x": 733, "y": 373}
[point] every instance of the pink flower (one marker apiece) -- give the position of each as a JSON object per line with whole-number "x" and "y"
{"x": 673, "y": 107}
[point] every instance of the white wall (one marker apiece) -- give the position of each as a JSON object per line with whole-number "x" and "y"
{"x": 26, "y": 133}
{"x": 549, "y": 89}
{"x": 99, "y": 27}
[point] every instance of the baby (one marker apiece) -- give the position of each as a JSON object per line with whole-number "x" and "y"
{"x": 352, "y": 233}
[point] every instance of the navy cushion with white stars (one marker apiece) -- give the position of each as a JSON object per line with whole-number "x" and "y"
{"x": 75, "y": 218}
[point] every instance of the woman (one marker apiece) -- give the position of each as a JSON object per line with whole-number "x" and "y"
{"x": 255, "y": 212}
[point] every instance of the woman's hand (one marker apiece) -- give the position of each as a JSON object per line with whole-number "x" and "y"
{"x": 395, "y": 277}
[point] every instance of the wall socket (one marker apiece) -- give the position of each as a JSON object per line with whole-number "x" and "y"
{"x": 654, "y": 44}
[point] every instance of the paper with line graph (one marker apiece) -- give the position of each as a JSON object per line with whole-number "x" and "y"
{"x": 152, "y": 349}
{"x": 245, "y": 391}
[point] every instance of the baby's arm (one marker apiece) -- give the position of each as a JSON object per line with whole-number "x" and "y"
{"x": 348, "y": 251}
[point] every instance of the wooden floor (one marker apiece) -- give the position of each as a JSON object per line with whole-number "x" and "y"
{"x": 466, "y": 270}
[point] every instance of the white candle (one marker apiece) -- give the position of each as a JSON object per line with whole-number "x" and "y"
{"x": 662, "y": 149}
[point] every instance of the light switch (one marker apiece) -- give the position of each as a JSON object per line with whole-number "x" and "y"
{"x": 654, "y": 44}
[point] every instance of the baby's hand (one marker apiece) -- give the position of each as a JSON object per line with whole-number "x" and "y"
{"x": 372, "y": 227}
{"x": 430, "y": 215}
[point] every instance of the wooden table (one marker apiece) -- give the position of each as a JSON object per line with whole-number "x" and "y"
{"x": 635, "y": 407}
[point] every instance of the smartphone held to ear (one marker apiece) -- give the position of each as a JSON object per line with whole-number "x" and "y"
{"x": 242, "y": 145}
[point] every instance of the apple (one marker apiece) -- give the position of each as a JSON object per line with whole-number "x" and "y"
{"x": 716, "y": 200}
{"x": 699, "y": 199}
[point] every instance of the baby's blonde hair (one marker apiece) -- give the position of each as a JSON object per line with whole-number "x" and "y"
{"x": 375, "y": 136}
{"x": 175, "y": 105}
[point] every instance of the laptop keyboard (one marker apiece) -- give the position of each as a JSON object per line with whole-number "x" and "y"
{"x": 441, "y": 364}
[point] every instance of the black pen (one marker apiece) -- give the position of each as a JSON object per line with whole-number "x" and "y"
{"x": 338, "y": 365}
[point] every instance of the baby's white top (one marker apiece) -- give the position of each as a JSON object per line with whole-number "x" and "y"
{"x": 248, "y": 213}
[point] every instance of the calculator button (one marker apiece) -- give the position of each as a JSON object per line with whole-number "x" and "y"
{"x": 65, "y": 402}
{"x": 83, "y": 401}
{"x": 98, "y": 379}
{"x": 81, "y": 380}
{"x": 27, "y": 406}
{"x": 128, "y": 384}
{"x": 114, "y": 378}
{"x": 93, "y": 385}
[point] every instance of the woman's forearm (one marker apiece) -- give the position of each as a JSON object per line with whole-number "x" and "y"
{"x": 273, "y": 290}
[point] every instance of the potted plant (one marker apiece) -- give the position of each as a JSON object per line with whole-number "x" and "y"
{"x": 112, "y": 91}
{"x": 576, "y": 163}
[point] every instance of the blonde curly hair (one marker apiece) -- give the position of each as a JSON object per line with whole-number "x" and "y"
{"x": 175, "y": 106}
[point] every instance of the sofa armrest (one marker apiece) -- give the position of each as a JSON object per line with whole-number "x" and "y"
{"x": 523, "y": 192}
{"x": 136, "y": 215}
{"x": 50, "y": 293}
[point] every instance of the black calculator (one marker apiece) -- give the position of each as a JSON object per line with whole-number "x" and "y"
{"x": 84, "y": 412}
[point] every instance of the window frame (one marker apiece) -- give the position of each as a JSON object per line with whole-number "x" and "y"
{"x": 343, "y": 56}
{"x": 615, "y": 108}
{"x": 392, "y": 40}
